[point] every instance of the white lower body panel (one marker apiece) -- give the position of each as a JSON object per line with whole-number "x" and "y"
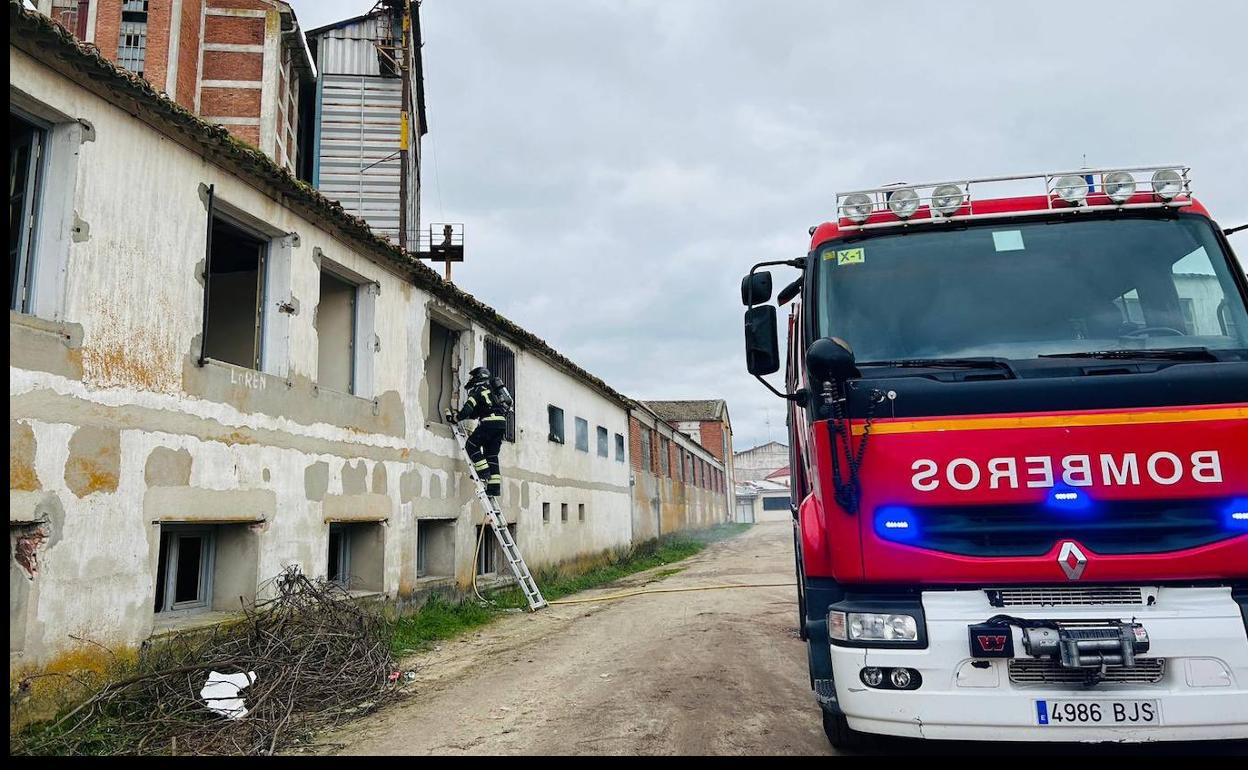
{"x": 1203, "y": 694}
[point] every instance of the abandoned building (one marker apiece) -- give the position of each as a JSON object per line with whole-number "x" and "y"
{"x": 706, "y": 421}
{"x": 678, "y": 482}
{"x": 242, "y": 64}
{"x": 216, "y": 372}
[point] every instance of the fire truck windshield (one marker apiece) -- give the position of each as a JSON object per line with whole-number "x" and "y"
{"x": 1023, "y": 290}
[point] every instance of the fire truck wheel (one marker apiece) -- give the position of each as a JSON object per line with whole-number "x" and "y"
{"x": 836, "y": 727}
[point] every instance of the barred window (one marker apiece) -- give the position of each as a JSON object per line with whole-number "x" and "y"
{"x": 132, "y": 42}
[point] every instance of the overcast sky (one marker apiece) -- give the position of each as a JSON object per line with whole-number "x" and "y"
{"x": 620, "y": 165}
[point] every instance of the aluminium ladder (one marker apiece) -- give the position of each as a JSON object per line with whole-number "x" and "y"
{"x": 524, "y": 578}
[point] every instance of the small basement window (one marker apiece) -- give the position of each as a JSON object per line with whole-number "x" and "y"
{"x": 582, "y": 435}
{"x": 203, "y": 567}
{"x": 490, "y": 556}
{"x": 580, "y": 511}
{"x": 563, "y": 512}
{"x": 555, "y": 416}
{"x": 435, "y": 547}
{"x": 185, "y": 568}
{"x": 355, "y": 556}
{"x": 545, "y": 513}
{"x": 604, "y": 442}
{"x": 233, "y": 332}
{"x": 439, "y": 382}
{"x": 335, "y": 333}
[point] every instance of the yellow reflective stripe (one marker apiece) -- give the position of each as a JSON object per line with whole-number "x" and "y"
{"x": 1144, "y": 417}
{"x": 493, "y": 418}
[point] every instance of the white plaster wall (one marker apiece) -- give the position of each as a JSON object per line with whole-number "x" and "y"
{"x": 133, "y": 289}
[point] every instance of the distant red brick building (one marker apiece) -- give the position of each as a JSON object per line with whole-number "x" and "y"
{"x": 706, "y": 422}
{"x": 238, "y": 63}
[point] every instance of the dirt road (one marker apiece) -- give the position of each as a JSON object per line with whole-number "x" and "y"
{"x": 708, "y": 672}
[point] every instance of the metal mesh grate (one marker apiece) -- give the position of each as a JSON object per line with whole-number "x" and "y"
{"x": 1061, "y": 596}
{"x": 1047, "y": 671}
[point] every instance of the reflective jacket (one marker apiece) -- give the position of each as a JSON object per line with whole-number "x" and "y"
{"x": 482, "y": 404}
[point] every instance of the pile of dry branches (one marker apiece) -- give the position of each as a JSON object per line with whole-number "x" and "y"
{"x": 319, "y": 658}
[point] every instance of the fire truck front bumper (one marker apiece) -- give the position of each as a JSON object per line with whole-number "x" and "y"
{"x": 1189, "y": 680}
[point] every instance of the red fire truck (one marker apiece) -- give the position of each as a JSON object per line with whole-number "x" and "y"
{"x": 1019, "y": 436}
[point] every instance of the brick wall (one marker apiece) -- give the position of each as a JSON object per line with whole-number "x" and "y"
{"x": 634, "y": 443}
{"x": 156, "y": 61}
{"x": 230, "y": 102}
{"x": 713, "y": 439}
{"x": 233, "y": 65}
{"x": 108, "y": 28}
{"x": 234, "y": 30}
{"x": 188, "y": 53}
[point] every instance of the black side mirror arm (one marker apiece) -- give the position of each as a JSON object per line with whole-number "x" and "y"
{"x": 798, "y": 262}
{"x": 799, "y": 398}
{"x": 1233, "y": 230}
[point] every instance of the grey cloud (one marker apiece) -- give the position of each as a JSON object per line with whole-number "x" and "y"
{"x": 620, "y": 164}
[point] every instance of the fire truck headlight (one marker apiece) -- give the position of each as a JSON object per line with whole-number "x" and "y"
{"x": 1118, "y": 185}
{"x": 1167, "y": 183}
{"x": 857, "y": 207}
{"x": 1071, "y": 188}
{"x": 881, "y": 627}
{"x": 947, "y": 199}
{"x": 903, "y": 202}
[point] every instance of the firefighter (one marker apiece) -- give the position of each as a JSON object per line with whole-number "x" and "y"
{"x": 488, "y": 403}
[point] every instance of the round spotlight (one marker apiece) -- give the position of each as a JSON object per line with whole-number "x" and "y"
{"x": 900, "y": 678}
{"x": 947, "y": 199}
{"x": 872, "y": 677}
{"x": 1118, "y": 185}
{"x": 1167, "y": 183}
{"x": 1071, "y": 188}
{"x": 903, "y": 202}
{"x": 857, "y": 207}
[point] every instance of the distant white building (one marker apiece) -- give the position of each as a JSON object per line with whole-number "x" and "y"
{"x": 759, "y": 462}
{"x": 763, "y": 501}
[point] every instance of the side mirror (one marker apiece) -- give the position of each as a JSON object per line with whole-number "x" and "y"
{"x": 756, "y": 288}
{"x": 762, "y": 350}
{"x": 790, "y": 291}
{"x": 830, "y": 359}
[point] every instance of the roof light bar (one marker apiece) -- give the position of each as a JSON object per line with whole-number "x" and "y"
{"x": 1082, "y": 190}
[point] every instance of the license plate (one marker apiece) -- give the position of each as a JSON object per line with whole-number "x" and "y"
{"x": 1081, "y": 713}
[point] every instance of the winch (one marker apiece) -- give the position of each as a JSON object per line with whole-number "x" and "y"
{"x": 1087, "y": 646}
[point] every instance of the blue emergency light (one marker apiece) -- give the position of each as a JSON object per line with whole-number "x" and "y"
{"x": 897, "y": 523}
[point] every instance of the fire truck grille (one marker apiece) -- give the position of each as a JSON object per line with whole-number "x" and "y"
{"x": 1062, "y": 596}
{"x": 1107, "y": 527}
{"x": 1037, "y": 671}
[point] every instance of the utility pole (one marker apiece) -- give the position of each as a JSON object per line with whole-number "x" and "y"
{"x": 405, "y": 127}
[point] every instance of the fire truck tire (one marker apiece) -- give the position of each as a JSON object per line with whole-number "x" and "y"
{"x": 837, "y": 728}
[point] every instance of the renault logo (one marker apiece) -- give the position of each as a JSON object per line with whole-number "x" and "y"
{"x": 1072, "y": 560}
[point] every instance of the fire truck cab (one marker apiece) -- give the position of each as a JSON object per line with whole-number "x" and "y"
{"x": 1019, "y": 437}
